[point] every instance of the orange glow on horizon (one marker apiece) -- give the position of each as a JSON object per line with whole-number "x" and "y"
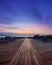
{"x": 40, "y": 29}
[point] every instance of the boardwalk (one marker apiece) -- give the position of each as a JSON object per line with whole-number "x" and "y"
{"x": 27, "y": 55}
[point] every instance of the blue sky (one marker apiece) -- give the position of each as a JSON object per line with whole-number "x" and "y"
{"x": 24, "y": 15}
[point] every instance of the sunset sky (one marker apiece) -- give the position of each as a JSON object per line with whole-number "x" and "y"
{"x": 26, "y": 16}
